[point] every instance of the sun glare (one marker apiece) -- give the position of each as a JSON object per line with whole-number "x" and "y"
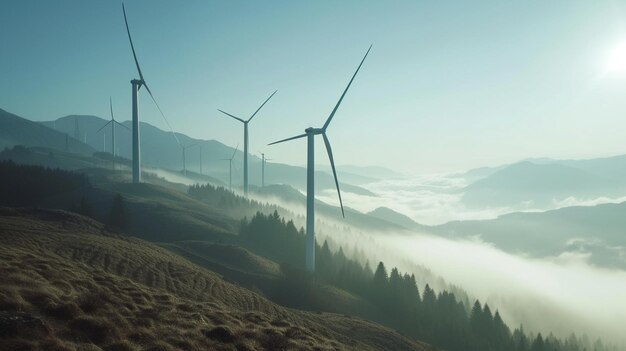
{"x": 617, "y": 59}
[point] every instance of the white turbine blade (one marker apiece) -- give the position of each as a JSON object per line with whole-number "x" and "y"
{"x": 143, "y": 81}
{"x": 263, "y": 104}
{"x": 133, "y": 47}
{"x": 235, "y": 117}
{"x": 332, "y": 114}
{"x": 163, "y": 115}
{"x": 106, "y": 124}
{"x": 332, "y": 165}
{"x": 292, "y": 138}
{"x": 111, "y": 105}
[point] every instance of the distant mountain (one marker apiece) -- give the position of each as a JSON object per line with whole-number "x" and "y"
{"x": 597, "y": 231}
{"x": 398, "y": 218}
{"x": 538, "y": 185}
{"x": 479, "y": 173}
{"x": 15, "y": 130}
{"x": 160, "y": 149}
{"x": 609, "y": 167}
{"x": 287, "y": 197}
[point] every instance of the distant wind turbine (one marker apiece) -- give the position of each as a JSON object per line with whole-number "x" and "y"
{"x": 185, "y": 157}
{"x": 136, "y": 85}
{"x": 245, "y": 141}
{"x": 230, "y": 167}
{"x": 310, "y": 134}
{"x": 113, "y": 122}
{"x": 200, "y": 159}
{"x": 263, "y": 161}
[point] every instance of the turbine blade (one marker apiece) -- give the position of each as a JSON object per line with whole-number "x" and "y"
{"x": 133, "y": 47}
{"x": 292, "y": 138}
{"x": 120, "y": 124}
{"x": 106, "y": 124}
{"x": 234, "y": 152}
{"x": 332, "y": 165}
{"x": 163, "y": 115}
{"x": 235, "y": 117}
{"x": 263, "y": 104}
{"x": 143, "y": 81}
{"x": 111, "y": 105}
{"x": 332, "y": 114}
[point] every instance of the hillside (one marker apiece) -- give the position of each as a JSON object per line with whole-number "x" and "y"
{"x": 391, "y": 216}
{"x": 15, "y": 130}
{"x": 287, "y": 197}
{"x": 531, "y": 184}
{"x": 597, "y": 231}
{"x": 69, "y": 284}
{"x": 160, "y": 149}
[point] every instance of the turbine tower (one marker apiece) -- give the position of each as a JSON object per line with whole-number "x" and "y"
{"x": 263, "y": 161}
{"x": 76, "y": 129}
{"x": 113, "y": 122}
{"x": 136, "y": 85}
{"x": 185, "y": 157}
{"x": 200, "y": 159}
{"x": 310, "y": 134}
{"x": 230, "y": 167}
{"x": 245, "y": 141}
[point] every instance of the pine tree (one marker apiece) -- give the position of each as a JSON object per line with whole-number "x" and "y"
{"x": 538, "y": 344}
{"x": 380, "y": 283}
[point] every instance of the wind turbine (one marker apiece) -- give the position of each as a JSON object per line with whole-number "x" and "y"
{"x": 136, "y": 85}
{"x": 245, "y": 141}
{"x": 230, "y": 167}
{"x": 263, "y": 160}
{"x": 200, "y": 159}
{"x": 185, "y": 157}
{"x": 112, "y": 122}
{"x": 310, "y": 134}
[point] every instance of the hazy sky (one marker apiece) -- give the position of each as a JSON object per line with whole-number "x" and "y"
{"x": 448, "y": 85}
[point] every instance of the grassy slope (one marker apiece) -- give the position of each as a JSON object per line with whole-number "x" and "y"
{"x": 94, "y": 289}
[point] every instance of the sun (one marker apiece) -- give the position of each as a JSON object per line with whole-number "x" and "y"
{"x": 617, "y": 59}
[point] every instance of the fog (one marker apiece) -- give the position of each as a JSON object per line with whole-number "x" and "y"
{"x": 560, "y": 294}
{"x": 436, "y": 199}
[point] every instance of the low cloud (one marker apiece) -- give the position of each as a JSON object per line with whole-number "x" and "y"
{"x": 559, "y": 294}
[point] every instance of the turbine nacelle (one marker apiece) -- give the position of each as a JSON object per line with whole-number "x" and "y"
{"x": 314, "y": 131}
{"x": 137, "y": 82}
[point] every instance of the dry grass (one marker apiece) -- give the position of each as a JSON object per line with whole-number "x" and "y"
{"x": 96, "y": 291}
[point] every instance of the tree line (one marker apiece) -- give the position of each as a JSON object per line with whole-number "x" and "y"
{"x": 438, "y": 318}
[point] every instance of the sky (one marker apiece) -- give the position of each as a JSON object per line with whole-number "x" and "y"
{"x": 448, "y": 85}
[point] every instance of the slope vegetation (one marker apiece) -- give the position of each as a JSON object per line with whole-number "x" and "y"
{"x": 69, "y": 284}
